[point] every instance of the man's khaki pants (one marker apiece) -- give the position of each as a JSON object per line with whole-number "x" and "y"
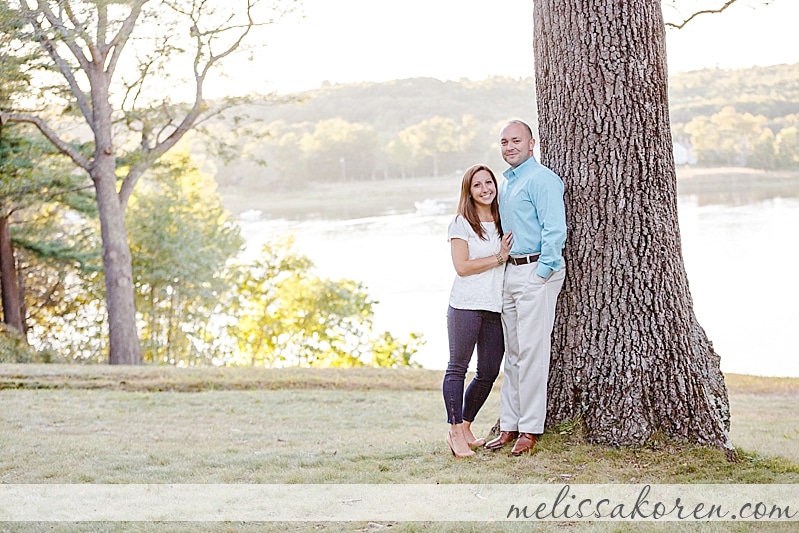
{"x": 528, "y": 314}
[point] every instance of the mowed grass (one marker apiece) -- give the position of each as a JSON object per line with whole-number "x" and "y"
{"x": 240, "y": 425}
{"x": 101, "y": 424}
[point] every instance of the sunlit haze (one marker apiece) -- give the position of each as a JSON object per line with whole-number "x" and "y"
{"x": 351, "y": 41}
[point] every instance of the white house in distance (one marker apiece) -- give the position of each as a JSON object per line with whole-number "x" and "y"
{"x": 683, "y": 155}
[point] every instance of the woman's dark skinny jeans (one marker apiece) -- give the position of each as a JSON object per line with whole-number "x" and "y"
{"x": 467, "y": 329}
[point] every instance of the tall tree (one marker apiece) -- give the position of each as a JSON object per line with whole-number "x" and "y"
{"x": 629, "y": 356}
{"x": 13, "y": 81}
{"x": 284, "y": 315}
{"x": 9, "y": 283}
{"x": 181, "y": 238}
{"x": 132, "y": 118}
{"x": 36, "y": 190}
{"x": 432, "y": 138}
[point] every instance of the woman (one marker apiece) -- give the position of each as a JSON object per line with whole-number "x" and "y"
{"x": 479, "y": 251}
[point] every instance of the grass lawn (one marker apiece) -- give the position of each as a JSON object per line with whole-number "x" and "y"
{"x": 101, "y": 424}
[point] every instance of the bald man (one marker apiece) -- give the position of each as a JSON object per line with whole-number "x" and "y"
{"x": 532, "y": 210}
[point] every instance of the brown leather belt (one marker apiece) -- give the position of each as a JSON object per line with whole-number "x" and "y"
{"x": 527, "y": 259}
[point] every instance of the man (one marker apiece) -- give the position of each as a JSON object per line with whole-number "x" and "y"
{"x": 531, "y": 209}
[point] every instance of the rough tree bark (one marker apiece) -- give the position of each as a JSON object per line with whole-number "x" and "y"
{"x": 629, "y": 356}
{"x": 12, "y": 308}
{"x": 123, "y": 336}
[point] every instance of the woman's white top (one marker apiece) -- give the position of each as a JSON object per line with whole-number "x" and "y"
{"x": 481, "y": 291}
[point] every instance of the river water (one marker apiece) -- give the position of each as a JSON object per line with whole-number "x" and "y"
{"x": 741, "y": 257}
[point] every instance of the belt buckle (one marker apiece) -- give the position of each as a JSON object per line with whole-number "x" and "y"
{"x": 525, "y": 260}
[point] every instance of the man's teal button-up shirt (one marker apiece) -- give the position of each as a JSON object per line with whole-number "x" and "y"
{"x": 531, "y": 207}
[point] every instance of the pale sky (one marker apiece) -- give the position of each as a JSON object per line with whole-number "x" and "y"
{"x": 351, "y": 41}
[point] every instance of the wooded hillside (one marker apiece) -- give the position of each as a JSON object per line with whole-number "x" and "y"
{"x": 772, "y": 92}
{"x": 426, "y": 127}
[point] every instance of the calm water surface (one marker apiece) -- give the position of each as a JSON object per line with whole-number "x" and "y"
{"x": 741, "y": 262}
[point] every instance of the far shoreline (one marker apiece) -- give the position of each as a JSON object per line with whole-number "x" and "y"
{"x": 378, "y": 197}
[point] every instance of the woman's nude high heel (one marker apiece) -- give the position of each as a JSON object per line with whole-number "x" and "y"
{"x": 457, "y": 442}
{"x": 471, "y": 440}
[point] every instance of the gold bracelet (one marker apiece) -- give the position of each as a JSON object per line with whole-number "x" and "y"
{"x": 499, "y": 259}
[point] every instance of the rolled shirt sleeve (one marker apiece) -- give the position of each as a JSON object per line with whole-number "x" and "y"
{"x": 547, "y": 192}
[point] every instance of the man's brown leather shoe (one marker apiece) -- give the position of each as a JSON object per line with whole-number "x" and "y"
{"x": 505, "y": 437}
{"x": 524, "y": 444}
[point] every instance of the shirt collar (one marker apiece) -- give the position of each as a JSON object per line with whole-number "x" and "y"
{"x": 513, "y": 173}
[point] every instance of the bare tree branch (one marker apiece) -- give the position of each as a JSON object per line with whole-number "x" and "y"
{"x": 61, "y": 63}
{"x": 134, "y": 89}
{"x": 121, "y": 38}
{"x": 63, "y": 146}
{"x": 79, "y": 27}
{"x": 727, "y": 4}
{"x": 66, "y": 36}
{"x": 29, "y": 189}
{"x": 102, "y": 25}
{"x": 200, "y": 72}
{"x": 169, "y": 124}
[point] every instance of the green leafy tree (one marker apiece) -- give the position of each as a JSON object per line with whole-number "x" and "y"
{"x": 786, "y": 147}
{"x": 61, "y": 268}
{"x": 340, "y": 150}
{"x": 256, "y": 301}
{"x": 763, "y": 152}
{"x": 46, "y": 224}
{"x": 51, "y": 259}
{"x": 399, "y": 155}
{"x": 12, "y": 176}
{"x": 14, "y": 169}
{"x": 725, "y": 138}
{"x": 290, "y": 160}
{"x": 181, "y": 240}
{"x": 431, "y": 139}
{"x": 470, "y": 135}
{"x": 390, "y": 352}
{"x": 47, "y": 235}
{"x": 287, "y": 316}
{"x": 791, "y": 120}
{"x": 131, "y": 112}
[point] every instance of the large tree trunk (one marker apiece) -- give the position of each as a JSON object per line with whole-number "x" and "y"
{"x": 628, "y": 354}
{"x": 123, "y": 337}
{"x": 12, "y": 308}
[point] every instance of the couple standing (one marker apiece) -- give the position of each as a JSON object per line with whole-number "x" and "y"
{"x": 507, "y": 244}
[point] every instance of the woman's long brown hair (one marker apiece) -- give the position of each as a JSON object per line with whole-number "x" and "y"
{"x": 466, "y": 207}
